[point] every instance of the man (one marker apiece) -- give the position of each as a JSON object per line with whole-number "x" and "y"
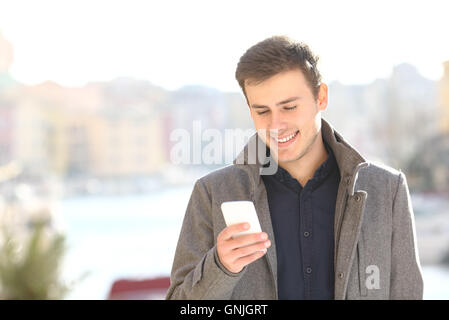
{"x": 335, "y": 226}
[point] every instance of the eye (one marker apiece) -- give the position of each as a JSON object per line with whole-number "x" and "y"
{"x": 262, "y": 112}
{"x": 290, "y": 108}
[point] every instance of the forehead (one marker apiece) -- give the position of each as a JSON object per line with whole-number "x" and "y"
{"x": 279, "y": 86}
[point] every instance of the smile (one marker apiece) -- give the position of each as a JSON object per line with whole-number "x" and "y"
{"x": 287, "y": 138}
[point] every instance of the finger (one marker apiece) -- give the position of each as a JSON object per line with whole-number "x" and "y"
{"x": 241, "y": 262}
{"x": 247, "y": 239}
{"x": 228, "y": 232}
{"x": 249, "y": 250}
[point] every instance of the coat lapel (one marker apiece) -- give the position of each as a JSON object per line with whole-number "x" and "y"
{"x": 246, "y": 160}
{"x": 347, "y": 242}
{"x": 349, "y": 207}
{"x": 263, "y": 212}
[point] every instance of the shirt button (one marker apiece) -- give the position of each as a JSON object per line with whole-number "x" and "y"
{"x": 341, "y": 275}
{"x": 309, "y": 270}
{"x": 306, "y": 234}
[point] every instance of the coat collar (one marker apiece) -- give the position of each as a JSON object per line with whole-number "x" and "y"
{"x": 255, "y": 159}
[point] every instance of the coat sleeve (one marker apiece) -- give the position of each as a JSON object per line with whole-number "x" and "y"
{"x": 197, "y": 272}
{"x": 406, "y": 276}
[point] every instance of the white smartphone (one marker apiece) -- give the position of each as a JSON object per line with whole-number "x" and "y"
{"x": 241, "y": 211}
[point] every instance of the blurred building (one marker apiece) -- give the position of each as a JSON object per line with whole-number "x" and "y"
{"x": 6, "y": 59}
{"x": 411, "y": 113}
{"x": 238, "y": 111}
{"x": 353, "y": 110}
{"x": 381, "y": 118}
{"x": 125, "y": 136}
{"x": 200, "y": 107}
{"x": 429, "y": 166}
{"x": 52, "y": 130}
{"x": 124, "y": 142}
{"x": 39, "y": 127}
{"x": 444, "y": 98}
{"x": 6, "y": 105}
{"x": 6, "y": 131}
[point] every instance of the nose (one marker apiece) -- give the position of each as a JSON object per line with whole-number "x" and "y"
{"x": 278, "y": 122}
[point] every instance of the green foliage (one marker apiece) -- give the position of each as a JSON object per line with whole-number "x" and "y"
{"x": 30, "y": 269}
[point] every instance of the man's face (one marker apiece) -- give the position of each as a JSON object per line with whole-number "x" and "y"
{"x": 286, "y": 103}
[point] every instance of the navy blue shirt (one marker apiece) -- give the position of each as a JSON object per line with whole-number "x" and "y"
{"x": 303, "y": 225}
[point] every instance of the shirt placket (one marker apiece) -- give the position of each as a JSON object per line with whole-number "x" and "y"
{"x": 306, "y": 241}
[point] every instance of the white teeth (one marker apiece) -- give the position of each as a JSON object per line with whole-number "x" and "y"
{"x": 287, "y": 138}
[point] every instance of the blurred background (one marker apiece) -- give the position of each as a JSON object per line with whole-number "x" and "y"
{"x": 91, "y": 204}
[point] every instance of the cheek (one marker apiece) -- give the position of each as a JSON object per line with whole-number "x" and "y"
{"x": 262, "y": 126}
{"x": 309, "y": 128}
{"x": 300, "y": 121}
{"x": 261, "y": 122}
{"x": 307, "y": 118}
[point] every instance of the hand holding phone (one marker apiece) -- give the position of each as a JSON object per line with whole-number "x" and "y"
{"x": 237, "y": 245}
{"x": 241, "y": 211}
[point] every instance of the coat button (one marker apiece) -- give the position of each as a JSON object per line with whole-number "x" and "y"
{"x": 306, "y": 234}
{"x": 358, "y": 198}
{"x": 309, "y": 270}
{"x": 348, "y": 180}
{"x": 341, "y": 275}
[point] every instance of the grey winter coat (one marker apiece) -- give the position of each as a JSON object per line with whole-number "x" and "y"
{"x": 375, "y": 245}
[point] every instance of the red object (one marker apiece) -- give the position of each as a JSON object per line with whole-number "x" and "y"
{"x": 148, "y": 289}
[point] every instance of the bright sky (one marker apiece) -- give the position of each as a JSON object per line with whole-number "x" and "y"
{"x": 174, "y": 43}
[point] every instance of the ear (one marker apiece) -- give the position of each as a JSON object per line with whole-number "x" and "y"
{"x": 322, "y": 97}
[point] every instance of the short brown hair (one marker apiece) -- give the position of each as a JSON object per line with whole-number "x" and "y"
{"x": 275, "y": 55}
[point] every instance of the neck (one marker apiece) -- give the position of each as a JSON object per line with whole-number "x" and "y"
{"x": 304, "y": 168}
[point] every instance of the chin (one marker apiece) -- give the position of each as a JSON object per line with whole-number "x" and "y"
{"x": 289, "y": 156}
{"x": 287, "y": 159}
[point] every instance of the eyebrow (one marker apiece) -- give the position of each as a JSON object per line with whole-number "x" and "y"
{"x": 256, "y": 106}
